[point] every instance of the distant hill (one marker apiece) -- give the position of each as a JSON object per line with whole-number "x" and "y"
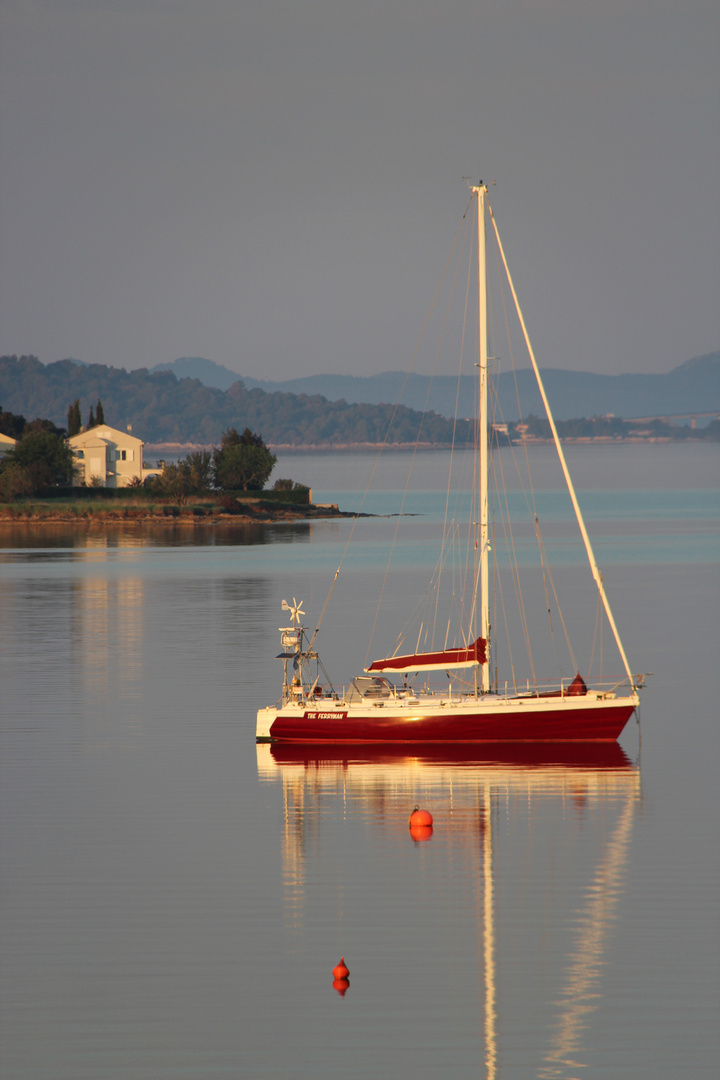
{"x": 207, "y": 371}
{"x": 693, "y": 386}
{"x": 163, "y": 409}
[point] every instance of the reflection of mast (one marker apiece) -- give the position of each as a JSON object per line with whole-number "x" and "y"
{"x": 489, "y": 934}
{"x": 468, "y": 787}
{"x": 581, "y": 995}
{"x": 293, "y": 851}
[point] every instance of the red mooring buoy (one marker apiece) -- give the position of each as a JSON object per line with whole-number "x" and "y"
{"x": 341, "y": 971}
{"x": 420, "y": 819}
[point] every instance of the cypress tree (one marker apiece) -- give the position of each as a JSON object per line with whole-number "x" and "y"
{"x": 74, "y": 421}
{"x": 99, "y": 413}
{"x": 91, "y": 419}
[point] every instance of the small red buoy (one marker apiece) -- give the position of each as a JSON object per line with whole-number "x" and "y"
{"x": 420, "y": 819}
{"x": 341, "y": 971}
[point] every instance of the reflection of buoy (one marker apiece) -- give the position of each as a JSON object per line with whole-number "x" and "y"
{"x": 341, "y": 971}
{"x": 341, "y": 985}
{"x": 421, "y": 832}
{"x": 420, "y": 819}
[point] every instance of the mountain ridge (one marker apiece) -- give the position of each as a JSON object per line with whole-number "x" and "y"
{"x": 161, "y": 408}
{"x": 692, "y": 386}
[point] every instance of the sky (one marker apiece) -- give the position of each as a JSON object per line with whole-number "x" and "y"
{"x": 276, "y": 185}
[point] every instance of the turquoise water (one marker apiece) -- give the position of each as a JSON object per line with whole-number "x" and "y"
{"x": 658, "y": 503}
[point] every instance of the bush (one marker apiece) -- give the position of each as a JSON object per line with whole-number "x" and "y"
{"x": 14, "y": 482}
{"x": 242, "y": 462}
{"x": 229, "y": 505}
{"x": 191, "y": 475}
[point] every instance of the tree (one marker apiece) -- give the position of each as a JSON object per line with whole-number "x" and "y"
{"x": 74, "y": 419}
{"x": 188, "y": 476}
{"x": 40, "y": 424}
{"x": 44, "y": 458}
{"x": 11, "y": 424}
{"x": 99, "y": 414}
{"x": 199, "y": 470}
{"x": 14, "y": 481}
{"x": 91, "y": 419}
{"x": 242, "y": 461}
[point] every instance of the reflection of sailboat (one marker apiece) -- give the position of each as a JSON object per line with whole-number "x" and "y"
{"x": 551, "y": 757}
{"x": 580, "y": 993}
{"x": 476, "y": 798}
{"x": 374, "y": 709}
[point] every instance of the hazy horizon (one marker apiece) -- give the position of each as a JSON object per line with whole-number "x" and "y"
{"x": 276, "y": 187}
{"x": 345, "y": 374}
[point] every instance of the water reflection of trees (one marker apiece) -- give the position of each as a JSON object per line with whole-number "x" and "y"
{"x": 47, "y": 539}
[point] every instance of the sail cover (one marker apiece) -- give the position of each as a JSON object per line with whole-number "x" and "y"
{"x": 435, "y": 661}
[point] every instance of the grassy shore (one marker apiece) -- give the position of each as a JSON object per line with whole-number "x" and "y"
{"x": 129, "y": 508}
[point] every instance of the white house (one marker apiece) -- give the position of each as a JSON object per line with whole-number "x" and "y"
{"x": 6, "y": 443}
{"x": 108, "y": 457}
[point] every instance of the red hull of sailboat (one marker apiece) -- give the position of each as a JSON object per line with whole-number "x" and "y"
{"x": 562, "y": 724}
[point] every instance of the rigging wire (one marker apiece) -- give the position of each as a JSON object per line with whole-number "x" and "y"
{"x": 558, "y": 446}
{"x": 530, "y": 498}
{"x": 385, "y": 440}
{"x": 450, "y": 550}
{"x": 461, "y": 235}
{"x": 470, "y": 635}
{"x": 598, "y": 618}
{"x": 514, "y": 568}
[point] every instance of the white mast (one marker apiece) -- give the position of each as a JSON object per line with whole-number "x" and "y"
{"x": 481, "y": 191}
{"x": 484, "y": 517}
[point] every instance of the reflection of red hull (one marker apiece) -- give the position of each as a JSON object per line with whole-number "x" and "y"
{"x": 523, "y": 720}
{"x": 525, "y": 755}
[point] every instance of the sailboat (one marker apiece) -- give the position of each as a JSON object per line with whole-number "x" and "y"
{"x": 378, "y": 708}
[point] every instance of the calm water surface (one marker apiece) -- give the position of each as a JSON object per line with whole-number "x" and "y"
{"x": 174, "y": 898}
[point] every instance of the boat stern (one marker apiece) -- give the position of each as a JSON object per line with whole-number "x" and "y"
{"x": 265, "y": 720}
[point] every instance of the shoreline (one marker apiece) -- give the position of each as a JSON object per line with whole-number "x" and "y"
{"x": 169, "y": 515}
{"x": 364, "y": 448}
